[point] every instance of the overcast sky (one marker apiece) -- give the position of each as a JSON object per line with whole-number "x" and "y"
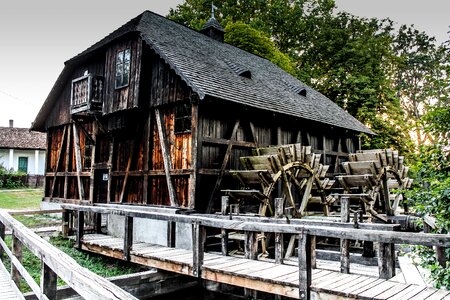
{"x": 37, "y": 36}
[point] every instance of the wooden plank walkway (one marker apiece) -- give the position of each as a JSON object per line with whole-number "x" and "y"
{"x": 8, "y": 290}
{"x": 263, "y": 276}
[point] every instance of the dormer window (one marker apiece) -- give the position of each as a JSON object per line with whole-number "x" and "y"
{"x": 123, "y": 60}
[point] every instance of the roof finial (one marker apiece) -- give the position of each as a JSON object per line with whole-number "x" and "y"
{"x": 213, "y": 8}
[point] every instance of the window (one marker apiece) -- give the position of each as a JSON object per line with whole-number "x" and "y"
{"x": 87, "y": 159}
{"x": 23, "y": 164}
{"x": 123, "y": 68}
{"x": 183, "y": 116}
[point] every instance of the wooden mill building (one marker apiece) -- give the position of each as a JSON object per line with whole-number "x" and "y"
{"x": 156, "y": 113}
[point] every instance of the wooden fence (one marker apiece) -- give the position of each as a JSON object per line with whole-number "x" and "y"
{"x": 55, "y": 263}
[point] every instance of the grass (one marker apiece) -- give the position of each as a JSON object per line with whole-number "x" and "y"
{"x": 21, "y": 199}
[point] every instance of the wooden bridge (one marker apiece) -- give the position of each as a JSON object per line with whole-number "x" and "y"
{"x": 301, "y": 280}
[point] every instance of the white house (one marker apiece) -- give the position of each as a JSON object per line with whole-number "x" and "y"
{"x": 22, "y": 149}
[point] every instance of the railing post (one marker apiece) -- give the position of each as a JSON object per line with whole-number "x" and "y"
{"x": 128, "y": 238}
{"x": 80, "y": 228}
{"x": 345, "y": 243}
{"x": 98, "y": 222}
{"x": 386, "y": 260}
{"x": 171, "y": 234}
{"x": 224, "y": 232}
{"x": 251, "y": 245}
{"x": 279, "y": 238}
{"x": 17, "y": 252}
{"x": 66, "y": 223}
{"x": 304, "y": 265}
{"x": 49, "y": 281}
{"x": 198, "y": 248}
{"x": 2, "y": 237}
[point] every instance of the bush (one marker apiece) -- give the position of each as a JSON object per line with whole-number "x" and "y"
{"x": 12, "y": 179}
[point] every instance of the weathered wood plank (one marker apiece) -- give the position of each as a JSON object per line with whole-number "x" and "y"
{"x": 78, "y": 163}
{"x": 304, "y": 265}
{"x": 49, "y": 281}
{"x": 128, "y": 238}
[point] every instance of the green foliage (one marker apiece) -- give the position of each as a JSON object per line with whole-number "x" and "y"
{"x": 258, "y": 43}
{"x": 440, "y": 275}
{"x": 11, "y": 179}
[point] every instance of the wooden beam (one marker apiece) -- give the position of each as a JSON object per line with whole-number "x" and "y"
{"x": 166, "y": 157}
{"x": 58, "y": 160}
{"x": 92, "y": 177}
{"x": 2, "y": 237}
{"x": 110, "y": 169}
{"x": 222, "y": 169}
{"x": 66, "y": 225}
{"x": 147, "y": 156}
{"x": 49, "y": 282}
{"x": 236, "y": 144}
{"x": 251, "y": 245}
{"x": 68, "y": 158}
{"x": 279, "y": 237}
{"x": 224, "y": 232}
{"x": 78, "y": 161}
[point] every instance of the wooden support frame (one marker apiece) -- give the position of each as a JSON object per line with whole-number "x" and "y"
{"x": 166, "y": 157}
{"x": 279, "y": 237}
{"x": 223, "y": 167}
{"x": 58, "y": 160}
{"x": 79, "y": 166}
{"x": 194, "y": 156}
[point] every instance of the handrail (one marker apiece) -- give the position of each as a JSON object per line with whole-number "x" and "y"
{"x": 277, "y": 226}
{"x": 55, "y": 262}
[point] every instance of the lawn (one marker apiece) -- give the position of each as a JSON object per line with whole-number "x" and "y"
{"x": 29, "y": 199}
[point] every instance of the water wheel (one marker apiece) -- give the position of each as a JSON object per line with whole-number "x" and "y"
{"x": 378, "y": 178}
{"x": 292, "y": 170}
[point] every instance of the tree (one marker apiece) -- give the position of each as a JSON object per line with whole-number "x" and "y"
{"x": 256, "y": 42}
{"x": 420, "y": 77}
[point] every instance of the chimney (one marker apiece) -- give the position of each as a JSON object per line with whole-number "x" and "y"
{"x": 212, "y": 28}
{"x": 11, "y": 123}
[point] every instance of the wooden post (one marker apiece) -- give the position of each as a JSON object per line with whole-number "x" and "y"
{"x": 92, "y": 176}
{"x": 251, "y": 245}
{"x": 65, "y": 225}
{"x": 49, "y": 282}
{"x": 80, "y": 228}
{"x": 109, "y": 197}
{"x": 171, "y": 233}
{"x": 313, "y": 252}
{"x": 128, "y": 238}
{"x": 198, "y": 248}
{"x": 2, "y": 237}
{"x": 98, "y": 222}
{"x": 58, "y": 161}
{"x": 386, "y": 260}
{"x": 194, "y": 152}
{"x": 345, "y": 243}
{"x": 17, "y": 252}
{"x": 279, "y": 238}
{"x": 224, "y": 232}
{"x": 304, "y": 265}
{"x": 68, "y": 157}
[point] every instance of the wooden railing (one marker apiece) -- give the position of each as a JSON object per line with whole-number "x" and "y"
{"x": 306, "y": 231}
{"x": 55, "y": 263}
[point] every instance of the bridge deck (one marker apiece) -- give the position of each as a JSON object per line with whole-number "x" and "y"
{"x": 8, "y": 290}
{"x": 260, "y": 275}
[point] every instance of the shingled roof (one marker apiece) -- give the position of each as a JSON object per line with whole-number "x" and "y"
{"x": 204, "y": 64}
{"x": 21, "y": 138}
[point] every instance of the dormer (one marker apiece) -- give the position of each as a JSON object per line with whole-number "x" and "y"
{"x": 87, "y": 95}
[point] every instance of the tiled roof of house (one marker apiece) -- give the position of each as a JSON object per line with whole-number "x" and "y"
{"x": 21, "y": 138}
{"x": 204, "y": 64}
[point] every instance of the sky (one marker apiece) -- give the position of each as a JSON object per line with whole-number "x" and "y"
{"x": 38, "y": 36}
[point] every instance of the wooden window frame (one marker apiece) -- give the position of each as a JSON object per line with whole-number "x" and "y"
{"x": 183, "y": 118}
{"x": 19, "y": 159}
{"x": 121, "y": 73}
